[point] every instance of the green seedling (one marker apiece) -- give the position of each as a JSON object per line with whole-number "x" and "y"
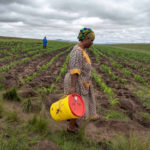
{"x": 113, "y": 101}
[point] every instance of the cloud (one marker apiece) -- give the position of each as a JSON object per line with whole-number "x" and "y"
{"x": 113, "y": 20}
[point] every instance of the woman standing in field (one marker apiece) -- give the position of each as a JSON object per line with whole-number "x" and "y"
{"x": 78, "y": 78}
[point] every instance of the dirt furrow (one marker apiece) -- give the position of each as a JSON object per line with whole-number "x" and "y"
{"x": 130, "y": 68}
{"x": 21, "y": 56}
{"x": 46, "y": 77}
{"x": 114, "y": 70}
{"x": 18, "y": 52}
{"x": 13, "y": 77}
{"x": 129, "y": 103}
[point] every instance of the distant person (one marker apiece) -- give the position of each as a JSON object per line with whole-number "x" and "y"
{"x": 78, "y": 78}
{"x": 44, "y": 42}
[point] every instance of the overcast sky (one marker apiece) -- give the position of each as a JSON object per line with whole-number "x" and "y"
{"x": 112, "y": 20}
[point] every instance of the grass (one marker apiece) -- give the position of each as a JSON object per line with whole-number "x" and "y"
{"x": 14, "y": 142}
{"x": 50, "y": 89}
{"x": 142, "y": 92}
{"x": 38, "y": 124}
{"x": 1, "y": 111}
{"x": 11, "y": 95}
{"x": 120, "y": 142}
{"x": 20, "y": 139}
{"x": 69, "y": 141}
{"x": 17, "y": 139}
{"x": 144, "y": 48}
{"x": 146, "y": 116}
{"x": 1, "y": 81}
{"x": 25, "y": 59}
{"x": 105, "y": 144}
{"x": 12, "y": 116}
{"x": 111, "y": 114}
{"x": 27, "y": 105}
{"x": 133, "y": 142}
{"x": 140, "y": 79}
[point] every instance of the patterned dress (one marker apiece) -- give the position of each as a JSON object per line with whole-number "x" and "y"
{"x": 80, "y": 63}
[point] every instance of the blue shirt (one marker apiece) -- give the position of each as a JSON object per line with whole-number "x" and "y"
{"x": 44, "y": 41}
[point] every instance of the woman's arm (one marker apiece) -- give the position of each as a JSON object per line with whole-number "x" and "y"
{"x": 75, "y": 65}
{"x": 73, "y": 83}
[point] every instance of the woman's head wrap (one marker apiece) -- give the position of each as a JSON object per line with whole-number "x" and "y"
{"x": 86, "y": 33}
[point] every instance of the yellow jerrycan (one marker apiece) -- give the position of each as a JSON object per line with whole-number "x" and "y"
{"x": 68, "y": 107}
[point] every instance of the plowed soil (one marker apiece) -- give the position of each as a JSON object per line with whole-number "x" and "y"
{"x": 129, "y": 103}
{"x": 18, "y": 73}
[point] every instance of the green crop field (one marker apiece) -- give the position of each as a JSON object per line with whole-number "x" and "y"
{"x": 144, "y": 48}
{"x": 31, "y": 79}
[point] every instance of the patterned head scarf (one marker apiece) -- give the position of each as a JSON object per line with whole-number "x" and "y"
{"x": 86, "y": 33}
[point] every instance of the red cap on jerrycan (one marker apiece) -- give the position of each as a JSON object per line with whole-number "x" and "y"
{"x": 76, "y": 105}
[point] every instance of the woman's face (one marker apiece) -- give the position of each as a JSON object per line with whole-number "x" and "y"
{"x": 87, "y": 43}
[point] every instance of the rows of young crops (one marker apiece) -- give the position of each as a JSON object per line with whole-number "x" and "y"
{"x": 30, "y": 49}
{"x": 106, "y": 58}
{"x": 37, "y": 54}
{"x": 116, "y": 65}
{"x": 107, "y": 90}
{"x": 58, "y": 78}
{"x": 21, "y": 47}
{"x": 126, "y": 71}
{"x": 37, "y": 76}
{"x": 137, "y": 60}
{"x": 44, "y": 66}
{"x": 106, "y": 68}
{"x": 133, "y": 47}
{"x": 15, "y": 55}
{"x": 26, "y": 52}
